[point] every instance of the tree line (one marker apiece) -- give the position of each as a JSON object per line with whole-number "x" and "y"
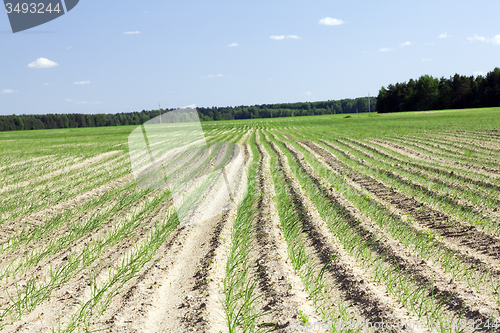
{"x": 429, "y": 93}
{"x": 288, "y": 109}
{"x": 53, "y": 121}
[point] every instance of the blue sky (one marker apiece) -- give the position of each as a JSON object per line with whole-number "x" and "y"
{"x": 123, "y": 56}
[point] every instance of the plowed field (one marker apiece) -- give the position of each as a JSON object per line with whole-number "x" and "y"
{"x": 370, "y": 223}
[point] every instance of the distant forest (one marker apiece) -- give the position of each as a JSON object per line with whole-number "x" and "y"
{"x": 51, "y": 121}
{"x": 429, "y": 93}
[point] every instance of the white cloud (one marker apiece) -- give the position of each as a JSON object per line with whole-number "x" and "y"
{"x": 476, "y": 37}
{"x": 233, "y": 45}
{"x": 330, "y": 21}
{"x": 80, "y": 102}
{"x": 281, "y": 37}
{"x": 132, "y": 33}
{"x": 82, "y": 82}
{"x": 385, "y": 49}
{"x": 495, "y": 40}
{"x": 405, "y": 44}
{"x": 85, "y": 102}
{"x": 191, "y": 106}
{"x": 476, "y": 73}
{"x": 308, "y": 93}
{"x": 426, "y": 59}
{"x": 8, "y": 91}
{"x": 445, "y": 35}
{"x": 211, "y": 75}
{"x": 42, "y": 63}
{"x": 46, "y": 84}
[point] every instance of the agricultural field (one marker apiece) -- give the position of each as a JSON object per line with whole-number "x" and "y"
{"x": 360, "y": 222}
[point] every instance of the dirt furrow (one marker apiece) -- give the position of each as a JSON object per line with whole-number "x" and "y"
{"x": 462, "y": 227}
{"x": 461, "y": 146}
{"x": 476, "y": 305}
{"x": 244, "y": 139}
{"x": 416, "y": 168}
{"x": 174, "y": 295}
{"x": 68, "y": 296}
{"x": 34, "y": 220}
{"x": 37, "y": 169}
{"x": 59, "y": 172}
{"x": 450, "y": 147}
{"x": 485, "y": 141}
{"x": 441, "y": 170}
{"x": 464, "y": 204}
{"x": 369, "y": 300}
{"x": 451, "y": 150}
{"x": 472, "y": 243}
{"x": 40, "y": 195}
{"x": 488, "y": 146}
{"x": 438, "y": 151}
{"x": 491, "y": 134}
{"x": 60, "y": 242}
{"x": 421, "y": 156}
{"x": 460, "y": 202}
{"x": 284, "y": 293}
{"x": 11, "y": 165}
{"x": 217, "y": 273}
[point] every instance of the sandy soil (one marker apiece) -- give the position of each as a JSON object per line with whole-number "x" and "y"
{"x": 368, "y": 300}
{"x": 181, "y": 288}
{"x": 481, "y": 246}
{"x": 477, "y": 304}
{"x": 56, "y": 173}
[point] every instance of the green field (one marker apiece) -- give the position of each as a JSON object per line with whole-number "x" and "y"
{"x": 390, "y": 218}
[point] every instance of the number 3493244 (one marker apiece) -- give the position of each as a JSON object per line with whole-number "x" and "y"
{"x": 33, "y": 8}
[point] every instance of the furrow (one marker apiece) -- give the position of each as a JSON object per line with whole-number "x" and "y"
{"x": 22, "y": 227}
{"x": 431, "y": 172}
{"x": 72, "y": 270}
{"x": 369, "y": 300}
{"x": 478, "y": 247}
{"x": 181, "y": 284}
{"x": 448, "y": 155}
{"x": 421, "y": 156}
{"x": 465, "y": 206}
{"x": 465, "y": 177}
{"x": 488, "y": 146}
{"x": 474, "y": 147}
{"x": 284, "y": 293}
{"x": 424, "y": 272}
{"x": 65, "y": 170}
{"x": 45, "y": 250}
{"x": 172, "y": 296}
{"x": 43, "y": 196}
{"x": 36, "y": 169}
{"x": 14, "y": 164}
